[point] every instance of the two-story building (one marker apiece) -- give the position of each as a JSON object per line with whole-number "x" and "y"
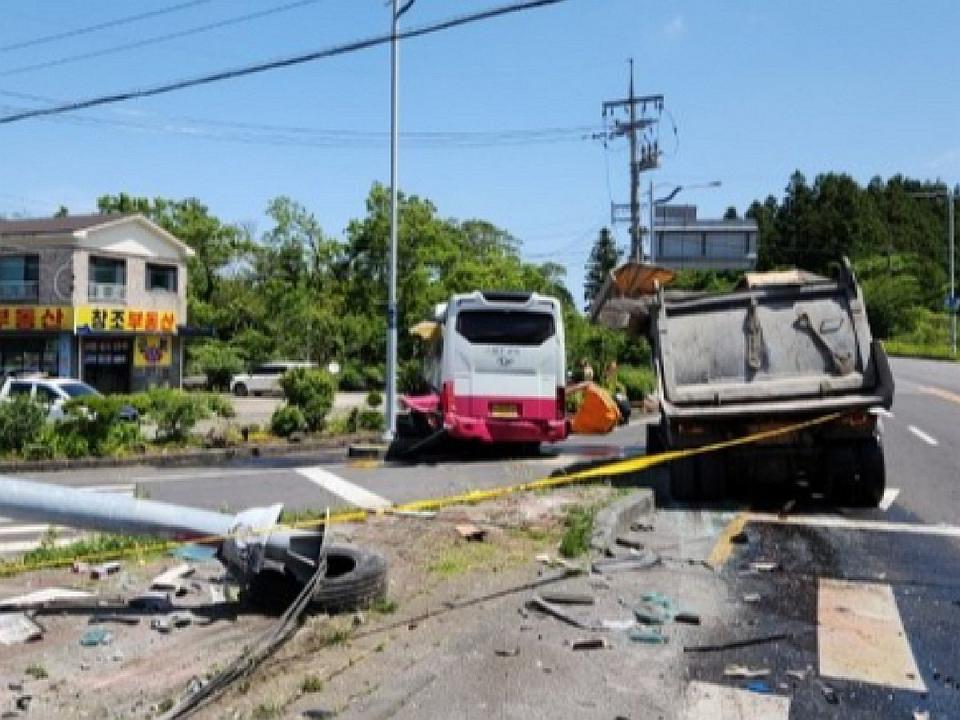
{"x": 682, "y": 241}
{"x": 94, "y": 297}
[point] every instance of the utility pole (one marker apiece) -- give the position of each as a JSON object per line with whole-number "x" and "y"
{"x": 653, "y": 237}
{"x": 640, "y": 129}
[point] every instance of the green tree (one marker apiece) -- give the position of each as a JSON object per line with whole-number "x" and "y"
{"x": 604, "y": 257}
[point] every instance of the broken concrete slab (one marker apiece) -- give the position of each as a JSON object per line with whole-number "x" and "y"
{"x": 17, "y": 628}
{"x": 151, "y": 601}
{"x": 471, "y": 532}
{"x": 170, "y": 579}
{"x": 98, "y": 572}
{"x": 617, "y": 519}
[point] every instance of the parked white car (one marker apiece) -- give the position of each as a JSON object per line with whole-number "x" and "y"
{"x": 53, "y": 393}
{"x": 264, "y": 379}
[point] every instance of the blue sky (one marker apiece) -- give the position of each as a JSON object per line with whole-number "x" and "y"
{"x": 757, "y": 90}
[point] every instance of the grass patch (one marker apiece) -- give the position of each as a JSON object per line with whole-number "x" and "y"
{"x": 463, "y": 557}
{"x": 36, "y": 671}
{"x": 579, "y": 529}
{"x": 902, "y": 348}
{"x": 384, "y": 606}
{"x": 102, "y": 546}
{"x": 265, "y": 711}
{"x": 535, "y": 534}
{"x": 311, "y": 684}
{"x": 165, "y": 705}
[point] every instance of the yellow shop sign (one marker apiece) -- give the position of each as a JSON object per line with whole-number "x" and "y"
{"x": 108, "y": 319}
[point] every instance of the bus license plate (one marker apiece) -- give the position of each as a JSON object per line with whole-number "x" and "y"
{"x": 504, "y": 410}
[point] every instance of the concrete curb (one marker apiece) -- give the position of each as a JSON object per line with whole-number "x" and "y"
{"x": 200, "y": 456}
{"x": 616, "y": 519}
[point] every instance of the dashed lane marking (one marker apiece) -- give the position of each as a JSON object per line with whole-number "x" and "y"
{"x": 838, "y": 522}
{"x": 354, "y": 494}
{"x": 889, "y": 498}
{"x": 928, "y": 439}
{"x": 705, "y": 701}
{"x": 861, "y": 637}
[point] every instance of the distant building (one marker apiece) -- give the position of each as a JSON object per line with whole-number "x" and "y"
{"x": 682, "y": 242}
{"x": 101, "y": 298}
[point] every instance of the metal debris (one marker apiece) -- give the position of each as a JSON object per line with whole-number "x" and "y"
{"x": 589, "y": 644}
{"x": 567, "y": 598}
{"x": 507, "y": 652}
{"x": 540, "y": 604}
{"x": 743, "y": 672}
{"x": 687, "y": 618}
{"x": 738, "y": 643}
{"x": 151, "y": 601}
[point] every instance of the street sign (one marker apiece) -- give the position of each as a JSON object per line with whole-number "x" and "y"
{"x": 952, "y": 304}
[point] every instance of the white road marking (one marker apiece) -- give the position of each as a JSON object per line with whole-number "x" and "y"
{"x": 860, "y": 636}
{"x": 705, "y": 701}
{"x": 354, "y": 494}
{"x": 928, "y": 439}
{"x": 889, "y": 497}
{"x": 838, "y": 522}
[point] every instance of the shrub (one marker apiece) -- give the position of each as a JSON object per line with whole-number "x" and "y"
{"x": 220, "y": 405}
{"x": 371, "y": 420}
{"x": 636, "y": 381}
{"x": 312, "y": 391}
{"x": 89, "y": 426}
{"x": 174, "y": 411}
{"x": 219, "y": 362}
{"x": 350, "y": 378}
{"x": 374, "y": 399}
{"x": 373, "y": 375}
{"x": 286, "y": 420}
{"x": 21, "y": 420}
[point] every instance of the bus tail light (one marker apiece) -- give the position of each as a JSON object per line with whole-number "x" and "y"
{"x": 447, "y": 398}
{"x": 561, "y": 402}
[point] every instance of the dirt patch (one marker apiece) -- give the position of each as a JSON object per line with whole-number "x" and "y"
{"x": 331, "y": 663}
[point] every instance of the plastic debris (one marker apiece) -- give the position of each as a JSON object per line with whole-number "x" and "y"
{"x": 194, "y": 553}
{"x": 759, "y": 686}
{"x": 95, "y": 637}
{"x": 649, "y": 636}
{"x": 618, "y": 624}
{"x": 751, "y": 598}
{"x": 742, "y": 671}
{"x": 589, "y": 644}
{"x": 764, "y": 566}
{"x": 507, "y": 652}
{"x": 687, "y": 618}
{"x": 16, "y": 628}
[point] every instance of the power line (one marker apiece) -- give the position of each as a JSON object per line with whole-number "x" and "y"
{"x": 157, "y": 38}
{"x": 280, "y": 63}
{"x": 102, "y": 26}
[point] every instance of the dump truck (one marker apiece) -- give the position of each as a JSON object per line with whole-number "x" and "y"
{"x": 781, "y": 348}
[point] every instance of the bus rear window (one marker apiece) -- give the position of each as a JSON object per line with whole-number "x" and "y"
{"x": 505, "y": 327}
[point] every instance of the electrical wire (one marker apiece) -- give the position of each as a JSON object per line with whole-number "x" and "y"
{"x": 291, "y": 61}
{"x": 157, "y": 38}
{"x": 102, "y": 26}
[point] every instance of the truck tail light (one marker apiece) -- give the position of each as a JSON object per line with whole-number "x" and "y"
{"x": 447, "y": 398}
{"x": 561, "y": 402}
{"x": 858, "y": 419}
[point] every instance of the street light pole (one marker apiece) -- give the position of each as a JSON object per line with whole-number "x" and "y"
{"x": 392, "y": 270}
{"x": 951, "y": 200}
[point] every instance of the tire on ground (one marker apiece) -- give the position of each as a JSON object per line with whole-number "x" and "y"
{"x": 870, "y": 478}
{"x": 356, "y": 578}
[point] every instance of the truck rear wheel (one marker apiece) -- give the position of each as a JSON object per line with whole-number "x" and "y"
{"x": 867, "y": 480}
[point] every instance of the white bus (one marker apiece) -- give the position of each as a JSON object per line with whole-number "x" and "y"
{"x": 495, "y": 365}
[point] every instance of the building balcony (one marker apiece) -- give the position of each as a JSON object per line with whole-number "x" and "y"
{"x": 19, "y": 290}
{"x": 106, "y": 292}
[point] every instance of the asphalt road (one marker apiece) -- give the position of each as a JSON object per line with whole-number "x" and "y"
{"x": 846, "y": 581}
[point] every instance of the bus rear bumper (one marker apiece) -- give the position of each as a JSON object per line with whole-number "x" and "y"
{"x": 496, "y": 431}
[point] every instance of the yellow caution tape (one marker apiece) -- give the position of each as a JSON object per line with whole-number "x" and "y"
{"x": 618, "y": 467}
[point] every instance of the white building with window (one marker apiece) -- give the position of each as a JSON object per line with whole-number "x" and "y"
{"x": 101, "y": 298}
{"x": 683, "y": 242}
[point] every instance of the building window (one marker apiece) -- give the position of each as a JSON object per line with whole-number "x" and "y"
{"x": 162, "y": 277}
{"x": 20, "y": 277}
{"x": 107, "y": 279}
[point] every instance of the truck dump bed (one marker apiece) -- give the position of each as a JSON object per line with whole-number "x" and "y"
{"x": 782, "y": 343}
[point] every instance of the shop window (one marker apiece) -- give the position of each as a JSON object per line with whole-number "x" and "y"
{"x": 19, "y": 277}
{"x": 29, "y": 355}
{"x": 162, "y": 277}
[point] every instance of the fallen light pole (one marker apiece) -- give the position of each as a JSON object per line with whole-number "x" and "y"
{"x": 246, "y": 541}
